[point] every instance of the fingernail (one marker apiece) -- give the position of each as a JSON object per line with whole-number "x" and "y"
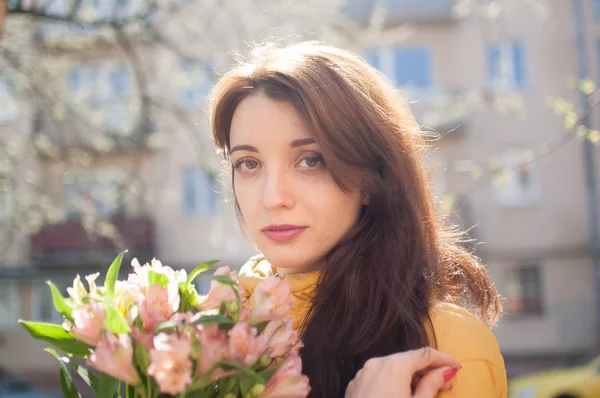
{"x": 449, "y": 374}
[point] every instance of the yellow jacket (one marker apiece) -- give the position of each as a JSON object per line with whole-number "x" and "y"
{"x": 458, "y": 333}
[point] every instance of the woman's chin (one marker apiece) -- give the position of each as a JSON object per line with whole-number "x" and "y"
{"x": 292, "y": 262}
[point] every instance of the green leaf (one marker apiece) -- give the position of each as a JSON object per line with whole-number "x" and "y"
{"x": 193, "y": 299}
{"x": 165, "y": 325}
{"x": 189, "y": 300}
{"x": 230, "y": 386}
{"x": 142, "y": 357}
{"x": 129, "y": 391}
{"x": 206, "y": 319}
{"x": 59, "y": 301}
{"x": 107, "y": 386}
{"x": 200, "y": 383}
{"x": 267, "y": 374}
{"x": 200, "y": 269}
{"x": 113, "y": 274}
{"x": 246, "y": 383}
{"x": 188, "y": 296}
{"x": 66, "y": 381}
{"x": 158, "y": 279}
{"x": 115, "y": 321}
{"x": 224, "y": 280}
{"x": 246, "y": 370}
{"x": 57, "y": 336}
{"x": 89, "y": 378}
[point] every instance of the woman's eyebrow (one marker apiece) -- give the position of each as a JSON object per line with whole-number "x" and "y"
{"x": 293, "y": 144}
{"x": 302, "y": 142}
{"x": 249, "y": 148}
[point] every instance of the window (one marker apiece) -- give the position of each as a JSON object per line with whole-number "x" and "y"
{"x": 407, "y": 66}
{"x": 9, "y": 305}
{"x": 200, "y": 195}
{"x": 43, "y": 306}
{"x": 58, "y": 7}
{"x": 56, "y": 29}
{"x": 523, "y": 290}
{"x": 119, "y": 80}
{"x": 98, "y": 191}
{"x": 412, "y": 67}
{"x": 105, "y": 86}
{"x": 518, "y": 182}
{"x": 195, "y": 82}
{"x": 506, "y": 66}
{"x": 9, "y": 111}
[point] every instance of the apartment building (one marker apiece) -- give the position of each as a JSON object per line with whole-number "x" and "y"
{"x": 491, "y": 67}
{"x": 482, "y": 77}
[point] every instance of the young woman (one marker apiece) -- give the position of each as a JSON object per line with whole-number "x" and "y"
{"x": 330, "y": 186}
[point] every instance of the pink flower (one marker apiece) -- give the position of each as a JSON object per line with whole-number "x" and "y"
{"x": 282, "y": 339}
{"x": 114, "y": 355}
{"x": 288, "y": 381}
{"x": 219, "y": 292}
{"x": 244, "y": 346}
{"x": 141, "y": 337}
{"x": 158, "y": 306}
{"x": 213, "y": 348}
{"x": 170, "y": 363}
{"x": 271, "y": 301}
{"x": 88, "y": 323}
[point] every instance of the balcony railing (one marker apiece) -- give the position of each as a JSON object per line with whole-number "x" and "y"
{"x": 402, "y": 10}
{"x": 68, "y": 244}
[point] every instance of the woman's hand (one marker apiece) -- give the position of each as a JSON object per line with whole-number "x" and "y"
{"x": 418, "y": 373}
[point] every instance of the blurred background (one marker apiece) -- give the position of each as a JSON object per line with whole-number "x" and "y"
{"x": 104, "y": 145}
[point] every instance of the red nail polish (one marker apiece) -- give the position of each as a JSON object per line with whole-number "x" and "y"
{"x": 449, "y": 374}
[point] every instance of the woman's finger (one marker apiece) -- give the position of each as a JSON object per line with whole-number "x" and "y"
{"x": 415, "y": 382}
{"x": 435, "y": 381}
{"x": 428, "y": 357}
{"x": 350, "y": 388}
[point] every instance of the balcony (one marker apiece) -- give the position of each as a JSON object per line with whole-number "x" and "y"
{"x": 68, "y": 244}
{"x": 398, "y": 11}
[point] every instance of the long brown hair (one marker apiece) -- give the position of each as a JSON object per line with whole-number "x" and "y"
{"x": 380, "y": 281}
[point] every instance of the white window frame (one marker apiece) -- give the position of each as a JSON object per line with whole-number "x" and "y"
{"x": 13, "y": 305}
{"x": 507, "y": 80}
{"x": 517, "y": 269}
{"x": 101, "y": 184}
{"x": 202, "y": 177}
{"x": 507, "y": 191}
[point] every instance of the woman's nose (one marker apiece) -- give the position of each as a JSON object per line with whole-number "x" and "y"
{"x": 277, "y": 192}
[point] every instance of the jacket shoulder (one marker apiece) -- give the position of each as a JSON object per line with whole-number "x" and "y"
{"x": 465, "y": 337}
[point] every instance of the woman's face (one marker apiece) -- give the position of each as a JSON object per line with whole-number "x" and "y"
{"x": 292, "y": 208}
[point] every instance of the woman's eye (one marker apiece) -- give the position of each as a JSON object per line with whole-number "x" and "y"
{"x": 312, "y": 161}
{"x": 246, "y": 164}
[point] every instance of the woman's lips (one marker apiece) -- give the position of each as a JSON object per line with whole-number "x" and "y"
{"x": 283, "y": 233}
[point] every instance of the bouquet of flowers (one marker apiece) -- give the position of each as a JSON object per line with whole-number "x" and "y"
{"x": 152, "y": 335}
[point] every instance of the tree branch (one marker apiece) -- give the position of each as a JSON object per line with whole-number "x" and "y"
{"x": 72, "y": 18}
{"x": 541, "y": 151}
